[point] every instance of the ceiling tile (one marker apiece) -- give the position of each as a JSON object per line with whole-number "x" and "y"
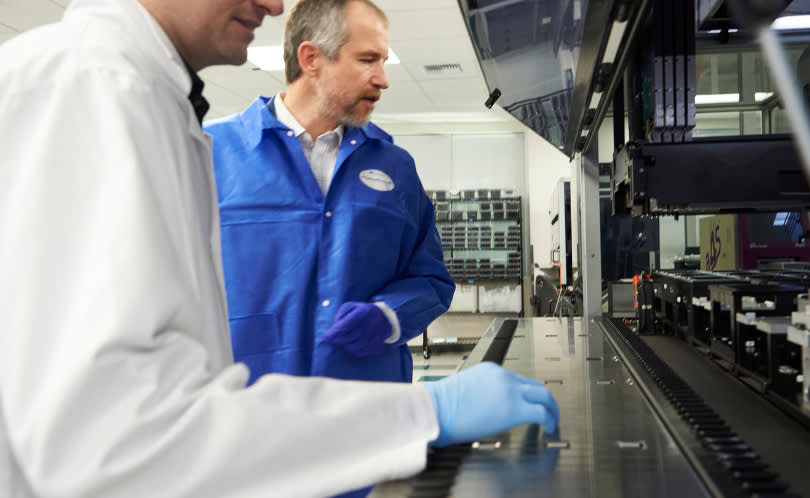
{"x": 416, "y": 54}
{"x": 469, "y": 71}
{"x": 422, "y": 32}
{"x": 217, "y": 95}
{"x": 434, "y": 46}
{"x": 397, "y": 72}
{"x": 404, "y": 96}
{"x": 244, "y": 80}
{"x": 450, "y": 96}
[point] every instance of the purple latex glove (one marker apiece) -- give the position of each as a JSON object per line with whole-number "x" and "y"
{"x": 361, "y": 328}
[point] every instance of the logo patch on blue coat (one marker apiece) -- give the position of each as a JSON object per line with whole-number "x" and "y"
{"x": 377, "y": 180}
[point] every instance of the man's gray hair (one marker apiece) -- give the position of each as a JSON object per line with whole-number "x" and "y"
{"x": 323, "y": 22}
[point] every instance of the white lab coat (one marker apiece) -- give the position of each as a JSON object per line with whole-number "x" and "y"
{"x": 116, "y": 378}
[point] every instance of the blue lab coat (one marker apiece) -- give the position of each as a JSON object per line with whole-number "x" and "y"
{"x": 293, "y": 255}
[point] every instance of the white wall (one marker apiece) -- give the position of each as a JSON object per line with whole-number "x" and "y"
{"x": 495, "y": 161}
{"x": 433, "y": 155}
{"x": 468, "y": 161}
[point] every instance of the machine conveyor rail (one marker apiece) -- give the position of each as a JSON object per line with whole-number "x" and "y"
{"x": 612, "y": 442}
{"x": 727, "y": 464}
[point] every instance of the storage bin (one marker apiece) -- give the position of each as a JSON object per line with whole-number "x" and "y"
{"x": 465, "y": 299}
{"x": 499, "y": 299}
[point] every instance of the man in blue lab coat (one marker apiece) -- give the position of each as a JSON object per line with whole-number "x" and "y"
{"x": 332, "y": 259}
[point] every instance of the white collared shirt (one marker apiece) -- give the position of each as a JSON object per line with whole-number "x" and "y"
{"x": 322, "y": 153}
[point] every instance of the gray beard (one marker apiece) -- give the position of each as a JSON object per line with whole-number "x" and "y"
{"x": 345, "y": 119}
{"x": 357, "y": 123}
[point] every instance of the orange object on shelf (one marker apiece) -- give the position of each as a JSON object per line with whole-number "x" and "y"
{"x": 636, "y": 281}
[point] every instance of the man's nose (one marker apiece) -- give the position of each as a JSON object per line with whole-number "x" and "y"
{"x": 271, "y": 7}
{"x": 380, "y": 77}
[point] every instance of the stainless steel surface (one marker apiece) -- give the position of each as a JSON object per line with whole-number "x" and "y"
{"x": 611, "y": 444}
{"x": 590, "y": 256}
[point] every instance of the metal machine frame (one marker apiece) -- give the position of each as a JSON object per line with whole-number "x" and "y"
{"x": 643, "y": 64}
{"x": 708, "y": 176}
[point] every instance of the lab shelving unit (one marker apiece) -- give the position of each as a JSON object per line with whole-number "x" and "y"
{"x": 481, "y": 235}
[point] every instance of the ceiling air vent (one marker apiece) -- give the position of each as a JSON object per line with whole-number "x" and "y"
{"x": 442, "y": 69}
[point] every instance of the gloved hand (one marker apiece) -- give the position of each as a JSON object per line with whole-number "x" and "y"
{"x": 486, "y": 400}
{"x": 361, "y": 328}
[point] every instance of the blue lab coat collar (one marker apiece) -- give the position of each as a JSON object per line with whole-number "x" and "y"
{"x": 260, "y": 116}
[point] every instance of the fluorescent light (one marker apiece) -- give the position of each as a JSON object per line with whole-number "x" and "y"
{"x": 791, "y": 22}
{"x": 595, "y": 99}
{"x": 271, "y": 57}
{"x": 760, "y": 96}
{"x": 717, "y": 98}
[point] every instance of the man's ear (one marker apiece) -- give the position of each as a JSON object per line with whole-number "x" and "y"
{"x": 309, "y": 58}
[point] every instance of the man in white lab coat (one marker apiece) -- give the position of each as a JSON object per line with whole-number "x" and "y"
{"x": 116, "y": 378}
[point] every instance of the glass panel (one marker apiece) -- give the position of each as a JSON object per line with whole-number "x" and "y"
{"x": 757, "y": 80}
{"x": 779, "y": 121}
{"x": 529, "y": 50}
{"x": 797, "y": 8}
{"x": 752, "y": 123}
{"x": 757, "y": 86}
{"x": 768, "y": 228}
{"x": 742, "y": 80}
{"x": 717, "y": 75}
{"x": 717, "y": 124}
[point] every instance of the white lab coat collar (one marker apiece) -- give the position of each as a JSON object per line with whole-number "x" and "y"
{"x": 140, "y": 22}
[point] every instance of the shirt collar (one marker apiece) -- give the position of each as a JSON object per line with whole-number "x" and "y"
{"x": 261, "y": 116}
{"x": 255, "y": 119}
{"x": 287, "y": 119}
{"x": 195, "y": 96}
{"x": 133, "y": 17}
{"x": 172, "y": 61}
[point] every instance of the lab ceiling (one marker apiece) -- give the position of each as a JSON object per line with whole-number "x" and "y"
{"x": 423, "y": 32}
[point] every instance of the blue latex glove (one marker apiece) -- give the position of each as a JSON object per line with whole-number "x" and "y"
{"x": 486, "y": 400}
{"x": 361, "y": 328}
